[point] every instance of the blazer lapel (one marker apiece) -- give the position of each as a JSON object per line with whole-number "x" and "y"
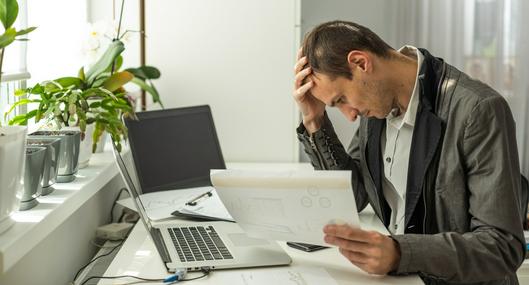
{"x": 374, "y": 163}
{"x": 426, "y": 138}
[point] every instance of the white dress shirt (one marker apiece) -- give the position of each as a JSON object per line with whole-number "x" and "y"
{"x": 396, "y": 143}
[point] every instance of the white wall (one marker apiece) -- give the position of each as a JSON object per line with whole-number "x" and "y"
{"x": 237, "y": 56}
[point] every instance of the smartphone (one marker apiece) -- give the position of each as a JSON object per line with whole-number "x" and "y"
{"x": 305, "y": 246}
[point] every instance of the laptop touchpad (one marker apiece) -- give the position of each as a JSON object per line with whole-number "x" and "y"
{"x": 241, "y": 239}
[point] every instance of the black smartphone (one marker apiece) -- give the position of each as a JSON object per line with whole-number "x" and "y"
{"x": 305, "y": 246}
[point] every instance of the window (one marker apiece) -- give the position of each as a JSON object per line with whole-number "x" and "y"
{"x": 53, "y": 49}
{"x": 490, "y": 55}
{"x": 14, "y": 70}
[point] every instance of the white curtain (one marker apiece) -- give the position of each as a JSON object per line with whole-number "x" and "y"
{"x": 484, "y": 38}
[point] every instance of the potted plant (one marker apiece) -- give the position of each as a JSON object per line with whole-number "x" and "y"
{"x": 12, "y": 139}
{"x": 92, "y": 98}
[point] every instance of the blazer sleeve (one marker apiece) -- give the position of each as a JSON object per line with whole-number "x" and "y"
{"x": 494, "y": 247}
{"x": 326, "y": 152}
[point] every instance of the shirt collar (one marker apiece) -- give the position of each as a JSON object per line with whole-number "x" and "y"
{"x": 411, "y": 112}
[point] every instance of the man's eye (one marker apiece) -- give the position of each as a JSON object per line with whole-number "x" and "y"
{"x": 340, "y": 100}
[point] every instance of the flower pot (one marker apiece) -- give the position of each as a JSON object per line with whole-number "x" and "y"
{"x": 12, "y": 145}
{"x": 69, "y": 156}
{"x": 51, "y": 161}
{"x": 102, "y": 142}
{"x": 34, "y": 169}
{"x": 85, "y": 149}
{"x": 85, "y": 152}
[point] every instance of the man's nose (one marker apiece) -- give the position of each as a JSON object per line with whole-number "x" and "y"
{"x": 350, "y": 113}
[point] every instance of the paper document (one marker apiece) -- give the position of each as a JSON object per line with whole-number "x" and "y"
{"x": 277, "y": 276}
{"x": 207, "y": 207}
{"x": 161, "y": 204}
{"x": 287, "y": 205}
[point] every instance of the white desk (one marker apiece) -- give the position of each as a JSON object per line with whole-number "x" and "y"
{"x": 139, "y": 257}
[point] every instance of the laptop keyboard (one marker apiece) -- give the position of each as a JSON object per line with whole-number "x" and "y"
{"x": 198, "y": 244}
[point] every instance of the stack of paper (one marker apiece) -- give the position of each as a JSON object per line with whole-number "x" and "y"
{"x": 209, "y": 208}
{"x": 167, "y": 204}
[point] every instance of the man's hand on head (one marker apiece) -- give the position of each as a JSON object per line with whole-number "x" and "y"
{"x": 311, "y": 108}
{"x": 371, "y": 251}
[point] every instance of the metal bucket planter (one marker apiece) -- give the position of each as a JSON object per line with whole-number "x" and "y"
{"x": 35, "y": 156}
{"x": 51, "y": 162}
{"x": 12, "y": 145}
{"x": 69, "y": 156}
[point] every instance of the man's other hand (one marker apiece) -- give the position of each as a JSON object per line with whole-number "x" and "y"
{"x": 371, "y": 251}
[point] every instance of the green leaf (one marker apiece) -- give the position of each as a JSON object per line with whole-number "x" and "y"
{"x": 98, "y": 131}
{"x": 110, "y": 94}
{"x": 37, "y": 89}
{"x": 81, "y": 74}
{"x": 150, "y": 89}
{"x": 69, "y": 82}
{"x": 25, "y": 31}
{"x": 95, "y": 105}
{"x": 21, "y": 92}
{"x": 82, "y": 126}
{"x": 112, "y": 52}
{"x": 72, "y": 107}
{"x": 51, "y": 86}
{"x": 81, "y": 114}
{"x": 117, "y": 80}
{"x": 84, "y": 104}
{"x": 117, "y": 64}
{"x": 145, "y": 72}
{"x": 16, "y": 120}
{"x": 20, "y": 102}
{"x": 7, "y": 37}
{"x": 8, "y": 12}
{"x": 72, "y": 99}
{"x": 22, "y": 119}
{"x": 38, "y": 117}
{"x": 99, "y": 82}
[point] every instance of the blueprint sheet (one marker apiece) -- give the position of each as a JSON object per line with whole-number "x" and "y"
{"x": 287, "y": 205}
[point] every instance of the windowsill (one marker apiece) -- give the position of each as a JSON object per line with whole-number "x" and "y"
{"x": 33, "y": 226}
{"x": 15, "y": 76}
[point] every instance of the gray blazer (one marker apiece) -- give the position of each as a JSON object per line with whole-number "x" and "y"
{"x": 463, "y": 219}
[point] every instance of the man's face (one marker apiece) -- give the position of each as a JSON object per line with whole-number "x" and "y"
{"x": 356, "y": 97}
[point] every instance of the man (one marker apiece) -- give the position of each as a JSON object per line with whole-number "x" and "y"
{"x": 435, "y": 155}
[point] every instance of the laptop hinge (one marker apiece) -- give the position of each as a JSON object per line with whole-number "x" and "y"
{"x": 160, "y": 245}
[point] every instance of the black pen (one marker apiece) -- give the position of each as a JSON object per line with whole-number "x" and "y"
{"x": 193, "y": 202}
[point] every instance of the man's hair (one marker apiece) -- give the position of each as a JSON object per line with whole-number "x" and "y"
{"x": 327, "y": 46}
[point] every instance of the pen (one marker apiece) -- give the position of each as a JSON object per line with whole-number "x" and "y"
{"x": 193, "y": 201}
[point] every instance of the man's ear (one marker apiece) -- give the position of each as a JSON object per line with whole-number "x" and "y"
{"x": 359, "y": 60}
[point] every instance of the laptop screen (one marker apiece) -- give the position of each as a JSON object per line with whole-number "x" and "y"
{"x": 174, "y": 148}
{"x": 127, "y": 177}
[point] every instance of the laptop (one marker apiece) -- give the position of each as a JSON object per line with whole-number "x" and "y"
{"x": 174, "y": 148}
{"x": 195, "y": 245}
